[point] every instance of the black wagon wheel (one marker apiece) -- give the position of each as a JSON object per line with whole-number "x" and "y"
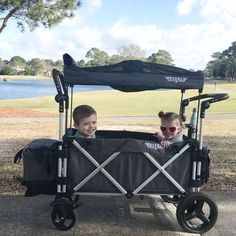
{"x": 63, "y": 218}
{"x": 197, "y": 213}
{"x": 171, "y": 198}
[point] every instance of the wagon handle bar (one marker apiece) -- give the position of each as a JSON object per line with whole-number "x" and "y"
{"x": 59, "y": 82}
{"x": 206, "y": 104}
{"x": 215, "y": 97}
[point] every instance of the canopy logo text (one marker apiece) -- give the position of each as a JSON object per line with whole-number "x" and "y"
{"x": 176, "y": 79}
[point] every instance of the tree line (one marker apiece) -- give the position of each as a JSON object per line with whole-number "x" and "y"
{"x": 32, "y": 14}
{"x": 223, "y": 65}
{"x": 94, "y": 57}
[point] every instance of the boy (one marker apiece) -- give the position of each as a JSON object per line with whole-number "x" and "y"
{"x": 85, "y": 121}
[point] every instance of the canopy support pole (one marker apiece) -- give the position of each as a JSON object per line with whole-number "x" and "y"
{"x": 180, "y": 107}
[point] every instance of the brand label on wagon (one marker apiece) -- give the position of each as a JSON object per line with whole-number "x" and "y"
{"x": 176, "y": 79}
{"x": 154, "y": 146}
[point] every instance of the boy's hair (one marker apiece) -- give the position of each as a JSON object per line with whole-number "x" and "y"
{"x": 81, "y": 112}
{"x": 170, "y": 116}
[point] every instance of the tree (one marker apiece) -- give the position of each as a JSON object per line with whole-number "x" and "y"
{"x": 33, "y": 13}
{"x": 2, "y": 64}
{"x": 97, "y": 57}
{"x": 224, "y": 64}
{"x": 17, "y": 61}
{"x": 8, "y": 70}
{"x": 216, "y": 55}
{"x": 59, "y": 65}
{"x": 230, "y": 56}
{"x": 208, "y": 70}
{"x": 48, "y": 65}
{"x": 81, "y": 63}
{"x": 116, "y": 59}
{"x": 18, "y": 64}
{"x": 219, "y": 69}
{"x": 131, "y": 51}
{"x": 213, "y": 69}
{"x": 161, "y": 57}
{"x": 36, "y": 66}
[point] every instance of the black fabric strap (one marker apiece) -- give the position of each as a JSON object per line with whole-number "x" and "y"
{"x": 18, "y": 156}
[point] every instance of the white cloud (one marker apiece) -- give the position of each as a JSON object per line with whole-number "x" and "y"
{"x": 71, "y": 22}
{"x": 191, "y": 45}
{"x": 92, "y": 5}
{"x": 210, "y": 10}
{"x": 88, "y": 7}
{"x": 148, "y": 37}
{"x": 185, "y": 6}
{"x": 216, "y": 34}
{"x": 87, "y": 36}
{"x": 218, "y": 10}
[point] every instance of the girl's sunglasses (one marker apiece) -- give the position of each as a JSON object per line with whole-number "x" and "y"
{"x": 170, "y": 129}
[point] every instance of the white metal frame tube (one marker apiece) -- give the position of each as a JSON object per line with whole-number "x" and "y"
{"x": 201, "y": 134}
{"x": 61, "y": 125}
{"x": 59, "y": 169}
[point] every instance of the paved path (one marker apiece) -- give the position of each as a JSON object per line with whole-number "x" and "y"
{"x": 108, "y": 216}
{"x": 226, "y": 223}
{"x": 98, "y": 216}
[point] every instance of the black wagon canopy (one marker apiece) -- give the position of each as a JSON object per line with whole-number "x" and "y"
{"x": 132, "y": 76}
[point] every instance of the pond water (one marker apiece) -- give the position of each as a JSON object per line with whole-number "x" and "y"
{"x": 14, "y": 89}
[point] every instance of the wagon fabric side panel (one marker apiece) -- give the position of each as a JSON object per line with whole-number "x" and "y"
{"x": 130, "y": 168}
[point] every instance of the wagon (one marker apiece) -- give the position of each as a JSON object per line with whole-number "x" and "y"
{"x": 124, "y": 163}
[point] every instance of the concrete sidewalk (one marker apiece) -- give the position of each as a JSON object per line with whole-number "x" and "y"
{"x": 226, "y": 223}
{"x": 21, "y": 215}
{"x": 98, "y": 216}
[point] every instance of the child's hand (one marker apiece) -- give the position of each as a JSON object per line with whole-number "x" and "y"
{"x": 165, "y": 144}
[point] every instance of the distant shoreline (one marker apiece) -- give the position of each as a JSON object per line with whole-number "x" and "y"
{"x": 23, "y": 77}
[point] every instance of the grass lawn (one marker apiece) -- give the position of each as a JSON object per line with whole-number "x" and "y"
{"x": 115, "y": 103}
{"x": 11, "y": 77}
{"x": 219, "y": 135}
{"x": 221, "y": 142}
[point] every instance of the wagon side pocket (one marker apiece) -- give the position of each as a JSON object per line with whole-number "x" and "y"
{"x": 40, "y": 166}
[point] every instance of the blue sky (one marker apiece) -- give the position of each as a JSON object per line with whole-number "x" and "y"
{"x": 162, "y": 13}
{"x": 191, "y": 30}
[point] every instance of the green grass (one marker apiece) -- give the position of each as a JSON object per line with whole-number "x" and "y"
{"x": 229, "y": 86}
{"x": 15, "y": 77}
{"x": 115, "y": 103}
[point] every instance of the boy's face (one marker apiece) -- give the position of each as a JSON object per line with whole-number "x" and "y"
{"x": 170, "y": 128}
{"x": 87, "y": 125}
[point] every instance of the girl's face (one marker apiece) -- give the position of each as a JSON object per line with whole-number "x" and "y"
{"x": 87, "y": 125}
{"x": 170, "y": 128}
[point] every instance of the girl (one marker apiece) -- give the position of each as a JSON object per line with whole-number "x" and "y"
{"x": 171, "y": 128}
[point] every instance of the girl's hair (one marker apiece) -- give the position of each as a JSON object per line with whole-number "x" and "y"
{"x": 170, "y": 116}
{"x": 82, "y": 112}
